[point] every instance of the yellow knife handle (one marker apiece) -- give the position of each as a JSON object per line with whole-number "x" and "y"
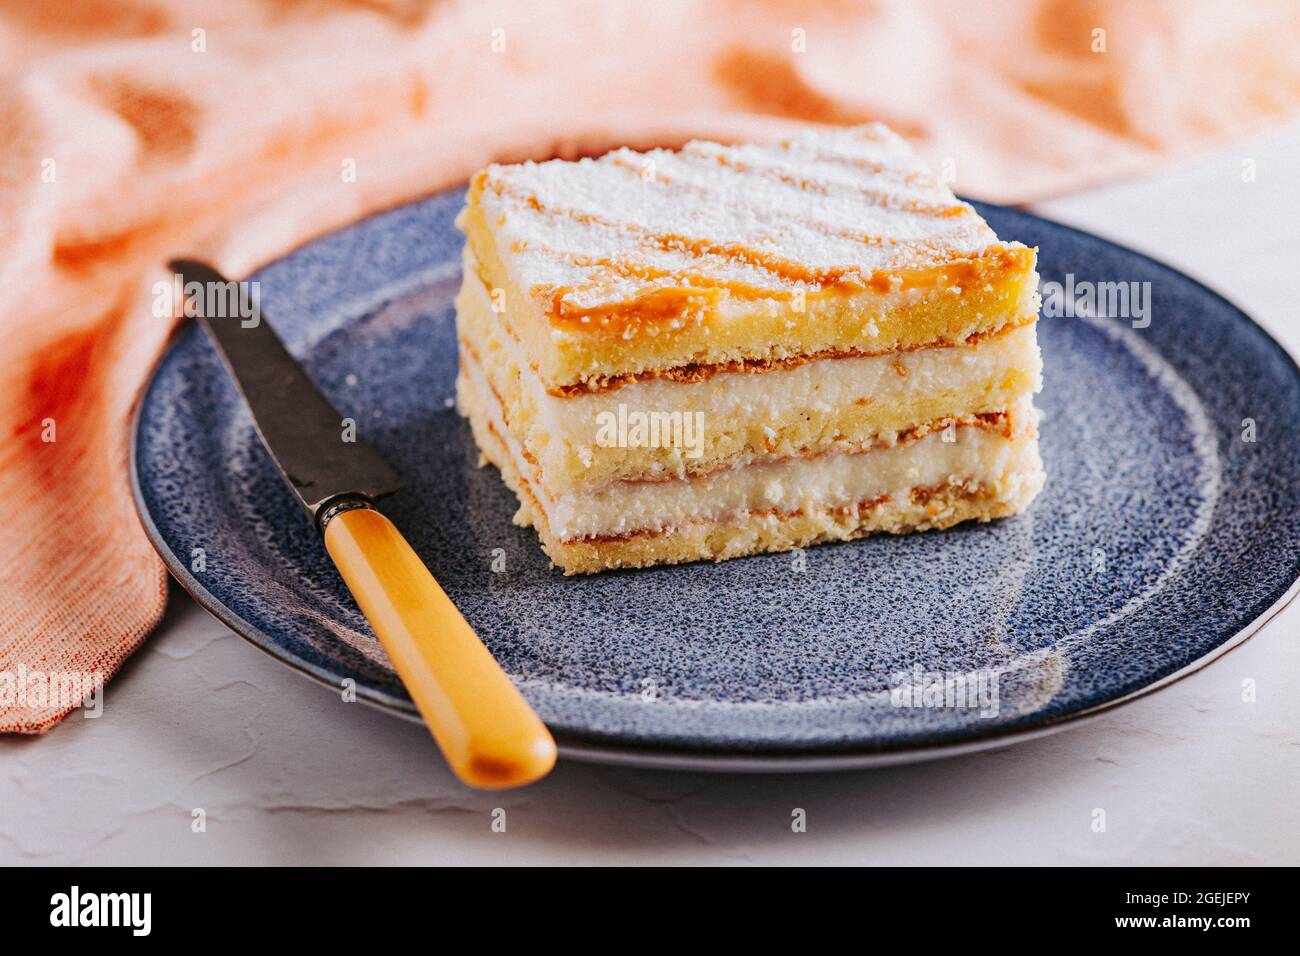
{"x": 490, "y": 736}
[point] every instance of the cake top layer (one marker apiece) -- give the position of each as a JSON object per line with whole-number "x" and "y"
{"x": 846, "y": 208}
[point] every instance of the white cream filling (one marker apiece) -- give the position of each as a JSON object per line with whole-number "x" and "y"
{"x": 781, "y": 394}
{"x": 978, "y": 455}
{"x": 822, "y": 385}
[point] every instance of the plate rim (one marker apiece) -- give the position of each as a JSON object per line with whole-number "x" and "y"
{"x": 600, "y": 750}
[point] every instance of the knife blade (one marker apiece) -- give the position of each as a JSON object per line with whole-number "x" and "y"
{"x": 304, "y": 433}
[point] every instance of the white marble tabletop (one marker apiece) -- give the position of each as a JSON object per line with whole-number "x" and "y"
{"x": 285, "y": 772}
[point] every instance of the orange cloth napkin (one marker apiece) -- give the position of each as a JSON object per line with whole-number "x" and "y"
{"x": 135, "y": 129}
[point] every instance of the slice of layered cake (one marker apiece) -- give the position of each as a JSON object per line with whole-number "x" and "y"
{"x": 721, "y": 351}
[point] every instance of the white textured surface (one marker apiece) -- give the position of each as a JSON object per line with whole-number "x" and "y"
{"x": 287, "y": 773}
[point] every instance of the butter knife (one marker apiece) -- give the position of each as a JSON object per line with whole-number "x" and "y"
{"x": 488, "y": 733}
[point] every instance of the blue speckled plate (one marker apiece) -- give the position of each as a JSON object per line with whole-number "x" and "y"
{"x": 1162, "y": 539}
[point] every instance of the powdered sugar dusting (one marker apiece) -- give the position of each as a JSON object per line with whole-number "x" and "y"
{"x": 819, "y": 208}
